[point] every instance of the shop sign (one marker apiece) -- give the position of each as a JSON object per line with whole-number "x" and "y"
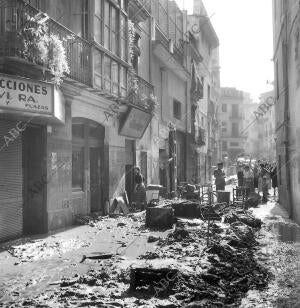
{"x": 135, "y": 124}
{"x": 26, "y": 95}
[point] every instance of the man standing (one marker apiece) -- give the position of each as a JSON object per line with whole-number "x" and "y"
{"x": 219, "y": 177}
{"x": 140, "y": 190}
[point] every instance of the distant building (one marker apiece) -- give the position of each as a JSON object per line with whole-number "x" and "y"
{"x": 267, "y": 126}
{"x": 231, "y": 117}
{"x": 251, "y": 130}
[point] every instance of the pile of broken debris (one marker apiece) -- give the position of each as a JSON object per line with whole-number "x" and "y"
{"x": 205, "y": 261}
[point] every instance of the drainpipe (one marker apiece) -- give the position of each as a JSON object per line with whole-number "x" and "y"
{"x": 287, "y": 121}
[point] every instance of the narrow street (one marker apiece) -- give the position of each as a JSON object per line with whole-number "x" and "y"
{"x": 53, "y": 272}
{"x": 150, "y": 153}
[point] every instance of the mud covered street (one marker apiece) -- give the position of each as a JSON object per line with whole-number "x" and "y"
{"x": 118, "y": 262}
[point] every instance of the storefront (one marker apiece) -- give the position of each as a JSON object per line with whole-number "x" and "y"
{"x": 26, "y": 106}
{"x": 87, "y": 166}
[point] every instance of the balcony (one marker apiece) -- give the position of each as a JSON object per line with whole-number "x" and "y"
{"x": 139, "y": 10}
{"x": 176, "y": 50}
{"x": 78, "y": 50}
{"x": 141, "y": 94}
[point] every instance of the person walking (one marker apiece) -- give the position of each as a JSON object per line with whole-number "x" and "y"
{"x": 274, "y": 178}
{"x": 219, "y": 177}
{"x": 240, "y": 175}
{"x": 248, "y": 179}
{"x": 265, "y": 189}
{"x": 255, "y": 175}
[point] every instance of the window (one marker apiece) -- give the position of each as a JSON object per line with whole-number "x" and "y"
{"x": 224, "y": 108}
{"x": 176, "y": 109}
{"x": 98, "y": 69}
{"x": 123, "y": 39}
{"x": 79, "y": 22}
{"x": 77, "y": 168}
{"x": 107, "y": 73}
{"x": 111, "y": 27}
{"x": 223, "y": 123}
{"x": 224, "y": 129}
{"x": 235, "y": 129}
{"x": 115, "y": 77}
{"x": 235, "y": 110}
{"x": 234, "y": 144}
{"x": 224, "y": 145}
{"x": 123, "y": 81}
{"x": 98, "y": 21}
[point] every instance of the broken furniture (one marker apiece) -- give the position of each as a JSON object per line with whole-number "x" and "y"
{"x": 158, "y": 217}
{"x": 119, "y": 205}
{"x": 223, "y": 196}
{"x": 208, "y": 195}
{"x": 186, "y": 208}
{"x": 240, "y": 196}
{"x": 157, "y": 279}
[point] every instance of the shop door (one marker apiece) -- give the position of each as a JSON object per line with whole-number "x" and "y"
{"x": 95, "y": 179}
{"x": 35, "y": 180}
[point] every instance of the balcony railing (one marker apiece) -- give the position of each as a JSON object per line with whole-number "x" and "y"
{"x": 78, "y": 50}
{"x": 142, "y": 95}
{"x": 139, "y": 10}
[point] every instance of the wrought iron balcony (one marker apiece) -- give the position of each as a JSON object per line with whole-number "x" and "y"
{"x": 78, "y": 50}
{"x": 140, "y": 93}
{"x": 176, "y": 50}
{"x": 139, "y": 10}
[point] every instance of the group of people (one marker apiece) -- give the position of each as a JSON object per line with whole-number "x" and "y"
{"x": 261, "y": 176}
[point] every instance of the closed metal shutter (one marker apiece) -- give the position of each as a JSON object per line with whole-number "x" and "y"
{"x": 11, "y": 181}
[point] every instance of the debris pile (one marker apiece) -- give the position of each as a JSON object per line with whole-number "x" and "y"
{"x": 181, "y": 270}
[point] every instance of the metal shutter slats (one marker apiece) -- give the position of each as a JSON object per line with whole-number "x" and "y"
{"x": 11, "y": 182}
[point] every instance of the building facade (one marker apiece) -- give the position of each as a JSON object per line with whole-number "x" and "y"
{"x": 206, "y": 83}
{"x": 231, "y": 114}
{"x": 286, "y": 29}
{"x": 70, "y": 149}
{"x": 88, "y": 90}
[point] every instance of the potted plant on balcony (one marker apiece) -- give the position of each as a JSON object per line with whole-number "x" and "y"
{"x": 41, "y": 47}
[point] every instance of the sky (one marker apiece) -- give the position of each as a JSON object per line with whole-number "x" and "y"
{"x": 244, "y": 28}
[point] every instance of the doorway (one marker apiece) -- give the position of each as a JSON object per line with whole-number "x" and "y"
{"x": 35, "y": 180}
{"x": 87, "y": 156}
{"x": 95, "y": 179}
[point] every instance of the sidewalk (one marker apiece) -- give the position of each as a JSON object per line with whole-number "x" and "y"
{"x": 280, "y": 252}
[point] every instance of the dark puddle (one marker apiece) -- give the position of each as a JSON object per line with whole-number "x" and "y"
{"x": 287, "y": 232}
